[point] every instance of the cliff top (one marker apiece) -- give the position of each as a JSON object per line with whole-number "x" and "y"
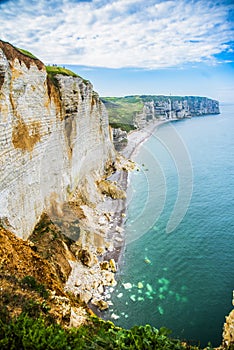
{"x": 12, "y": 53}
{"x": 123, "y": 111}
{"x": 28, "y": 58}
{"x": 54, "y": 70}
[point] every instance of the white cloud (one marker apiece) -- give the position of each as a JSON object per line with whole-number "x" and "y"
{"x": 118, "y": 33}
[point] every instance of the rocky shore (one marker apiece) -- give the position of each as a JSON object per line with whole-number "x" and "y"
{"x": 93, "y": 278}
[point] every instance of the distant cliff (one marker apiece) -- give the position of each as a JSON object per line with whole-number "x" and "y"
{"x": 54, "y": 136}
{"x": 136, "y": 111}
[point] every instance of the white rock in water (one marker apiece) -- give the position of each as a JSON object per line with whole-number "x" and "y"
{"x": 148, "y": 286}
{"x": 160, "y": 309}
{"x": 127, "y": 285}
{"x": 133, "y": 297}
{"x": 120, "y": 295}
{"x": 114, "y": 316}
{"x": 140, "y": 299}
{"x": 147, "y": 261}
{"x": 140, "y": 285}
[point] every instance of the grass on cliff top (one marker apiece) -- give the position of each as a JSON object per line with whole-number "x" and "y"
{"x": 26, "y": 53}
{"x": 53, "y": 70}
{"x": 122, "y": 111}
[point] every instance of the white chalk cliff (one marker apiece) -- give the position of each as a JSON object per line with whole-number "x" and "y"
{"x": 54, "y": 137}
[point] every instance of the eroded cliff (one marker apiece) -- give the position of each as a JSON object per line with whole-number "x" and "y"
{"x": 54, "y": 138}
{"x": 136, "y": 111}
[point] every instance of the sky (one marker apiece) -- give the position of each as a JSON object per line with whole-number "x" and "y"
{"x": 127, "y": 47}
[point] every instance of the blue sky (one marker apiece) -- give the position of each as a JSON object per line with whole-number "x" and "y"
{"x": 125, "y": 47}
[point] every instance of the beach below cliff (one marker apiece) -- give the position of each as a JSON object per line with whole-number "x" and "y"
{"x": 118, "y": 206}
{"x": 102, "y": 231}
{"x": 138, "y": 136}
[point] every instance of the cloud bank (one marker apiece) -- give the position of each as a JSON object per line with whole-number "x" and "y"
{"x": 121, "y": 33}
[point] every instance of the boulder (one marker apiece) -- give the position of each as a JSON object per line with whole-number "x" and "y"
{"x": 112, "y": 265}
{"x": 86, "y": 257}
{"x": 78, "y": 317}
{"x": 85, "y": 296}
{"x": 101, "y": 304}
{"x": 108, "y": 279}
{"x": 104, "y": 265}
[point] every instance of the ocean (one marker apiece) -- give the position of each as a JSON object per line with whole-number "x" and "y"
{"x": 177, "y": 268}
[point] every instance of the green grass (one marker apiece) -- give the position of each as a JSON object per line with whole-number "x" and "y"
{"x": 122, "y": 111}
{"x": 26, "y": 53}
{"x": 52, "y": 71}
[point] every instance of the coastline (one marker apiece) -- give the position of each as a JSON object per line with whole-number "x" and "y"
{"x": 114, "y": 232}
{"x": 102, "y": 232}
{"x": 138, "y": 136}
{"x": 118, "y": 207}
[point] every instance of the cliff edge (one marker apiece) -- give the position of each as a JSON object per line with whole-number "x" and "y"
{"x": 54, "y": 139}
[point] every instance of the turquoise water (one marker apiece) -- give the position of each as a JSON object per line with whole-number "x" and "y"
{"x": 183, "y": 279}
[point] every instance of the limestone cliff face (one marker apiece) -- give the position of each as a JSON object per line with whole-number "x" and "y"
{"x": 131, "y": 112}
{"x": 173, "y": 107}
{"x": 54, "y": 136}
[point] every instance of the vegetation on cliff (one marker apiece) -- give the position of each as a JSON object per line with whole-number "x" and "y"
{"x": 52, "y": 71}
{"x": 122, "y": 111}
{"x": 37, "y": 333}
{"x": 125, "y": 111}
{"x": 27, "y": 53}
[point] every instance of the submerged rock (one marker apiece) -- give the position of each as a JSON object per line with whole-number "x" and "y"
{"x": 140, "y": 285}
{"x": 127, "y": 285}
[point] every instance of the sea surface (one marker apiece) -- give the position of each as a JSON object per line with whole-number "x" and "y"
{"x": 177, "y": 268}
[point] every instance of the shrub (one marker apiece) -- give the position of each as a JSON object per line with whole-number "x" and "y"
{"x": 29, "y": 333}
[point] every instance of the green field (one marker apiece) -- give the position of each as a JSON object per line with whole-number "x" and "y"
{"x": 122, "y": 111}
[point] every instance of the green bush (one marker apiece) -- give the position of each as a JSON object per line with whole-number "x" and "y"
{"x": 124, "y": 127}
{"x": 29, "y": 333}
